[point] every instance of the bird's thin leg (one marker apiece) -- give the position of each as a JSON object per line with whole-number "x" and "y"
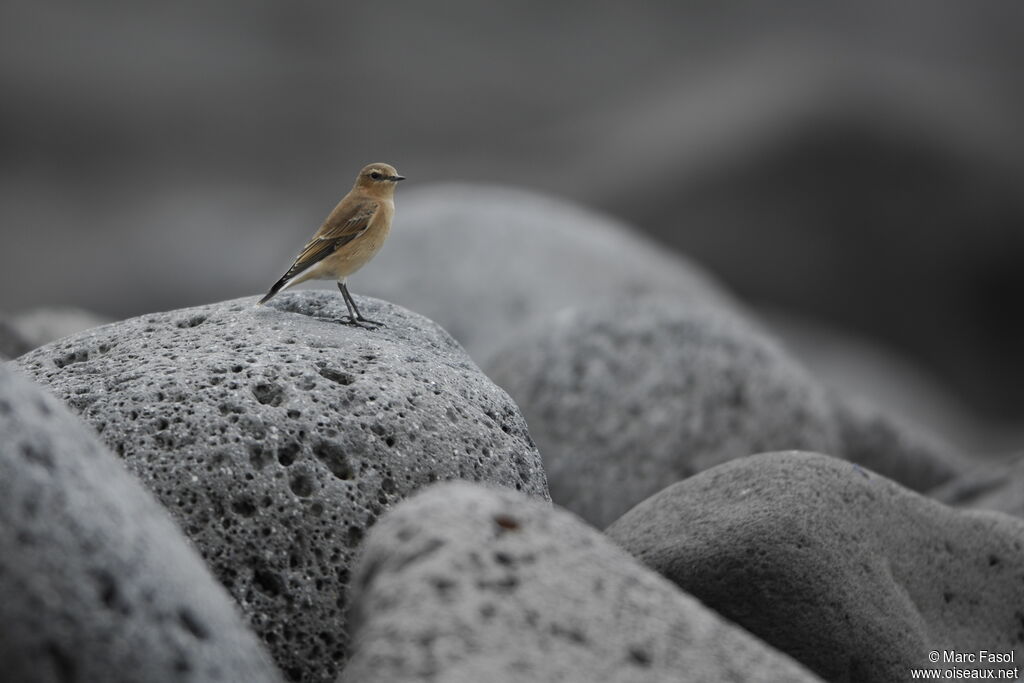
{"x": 353, "y": 312}
{"x": 344, "y": 295}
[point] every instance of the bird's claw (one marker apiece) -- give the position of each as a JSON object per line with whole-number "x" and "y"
{"x": 362, "y": 322}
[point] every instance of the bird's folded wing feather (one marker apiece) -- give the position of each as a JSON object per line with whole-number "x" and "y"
{"x": 339, "y": 229}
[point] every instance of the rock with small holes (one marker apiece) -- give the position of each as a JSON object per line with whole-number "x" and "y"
{"x": 96, "y": 582}
{"x": 277, "y": 435}
{"x": 521, "y": 256}
{"x": 625, "y": 399}
{"x": 848, "y": 572}
{"x": 464, "y": 583}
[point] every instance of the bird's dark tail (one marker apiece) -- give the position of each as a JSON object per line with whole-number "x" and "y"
{"x": 273, "y": 290}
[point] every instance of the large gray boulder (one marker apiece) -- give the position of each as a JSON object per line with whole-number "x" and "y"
{"x": 12, "y": 343}
{"x": 893, "y": 446}
{"x": 989, "y": 486}
{"x": 483, "y": 261}
{"x": 848, "y": 572}
{"x": 625, "y": 399}
{"x": 21, "y": 332}
{"x": 892, "y": 381}
{"x": 464, "y": 584}
{"x": 277, "y": 435}
{"x": 96, "y": 582}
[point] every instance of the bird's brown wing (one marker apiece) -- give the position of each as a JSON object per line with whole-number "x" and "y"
{"x": 339, "y": 229}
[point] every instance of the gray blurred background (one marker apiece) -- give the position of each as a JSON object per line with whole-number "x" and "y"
{"x": 853, "y": 170}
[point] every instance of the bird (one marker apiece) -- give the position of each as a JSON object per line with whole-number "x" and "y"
{"x": 349, "y": 237}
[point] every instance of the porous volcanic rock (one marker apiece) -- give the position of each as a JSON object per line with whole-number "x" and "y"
{"x": 625, "y": 399}
{"x": 96, "y": 581}
{"x": 277, "y": 435}
{"x": 483, "y": 261}
{"x": 848, "y": 572}
{"x": 463, "y": 583}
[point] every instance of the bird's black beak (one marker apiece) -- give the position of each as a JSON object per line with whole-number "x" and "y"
{"x": 396, "y": 178}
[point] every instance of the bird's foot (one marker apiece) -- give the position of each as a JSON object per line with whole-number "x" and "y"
{"x": 362, "y": 322}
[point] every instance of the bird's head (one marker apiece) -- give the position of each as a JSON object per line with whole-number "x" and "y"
{"x": 379, "y": 179}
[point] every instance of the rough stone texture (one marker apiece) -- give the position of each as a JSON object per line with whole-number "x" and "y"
{"x": 626, "y": 399}
{"x": 892, "y": 446}
{"x": 96, "y": 582}
{"x": 992, "y": 486}
{"x": 483, "y": 261}
{"x": 464, "y": 584}
{"x": 277, "y": 435}
{"x": 846, "y": 571}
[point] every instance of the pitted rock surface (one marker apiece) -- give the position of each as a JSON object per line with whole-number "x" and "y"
{"x": 96, "y": 582}
{"x": 628, "y": 398}
{"x": 520, "y": 256}
{"x": 277, "y": 435}
{"x": 848, "y": 572}
{"x": 463, "y": 584}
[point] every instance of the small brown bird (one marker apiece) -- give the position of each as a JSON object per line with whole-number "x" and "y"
{"x": 350, "y": 236}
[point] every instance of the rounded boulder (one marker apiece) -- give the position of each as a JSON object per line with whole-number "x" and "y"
{"x": 96, "y": 581}
{"x": 846, "y": 571}
{"x": 624, "y": 399}
{"x": 277, "y": 435}
{"x": 465, "y": 583}
{"x": 483, "y": 261}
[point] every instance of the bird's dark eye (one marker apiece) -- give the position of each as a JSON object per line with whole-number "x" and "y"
{"x": 375, "y": 175}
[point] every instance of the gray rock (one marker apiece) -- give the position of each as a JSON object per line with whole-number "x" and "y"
{"x": 858, "y": 365}
{"x": 12, "y": 343}
{"x": 96, "y": 582}
{"x": 848, "y": 572}
{"x": 22, "y": 332}
{"x": 993, "y": 486}
{"x": 483, "y": 261}
{"x": 276, "y": 436}
{"x": 626, "y": 399}
{"x": 893, "y": 446}
{"x": 43, "y": 325}
{"x": 464, "y": 584}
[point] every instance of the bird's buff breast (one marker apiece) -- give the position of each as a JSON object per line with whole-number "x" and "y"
{"x": 354, "y": 255}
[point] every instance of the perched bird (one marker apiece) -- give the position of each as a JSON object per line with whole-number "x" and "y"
{"x": 350, "y": 236}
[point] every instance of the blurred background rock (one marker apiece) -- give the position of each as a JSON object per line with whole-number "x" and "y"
{"x": 855, "y": 166}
